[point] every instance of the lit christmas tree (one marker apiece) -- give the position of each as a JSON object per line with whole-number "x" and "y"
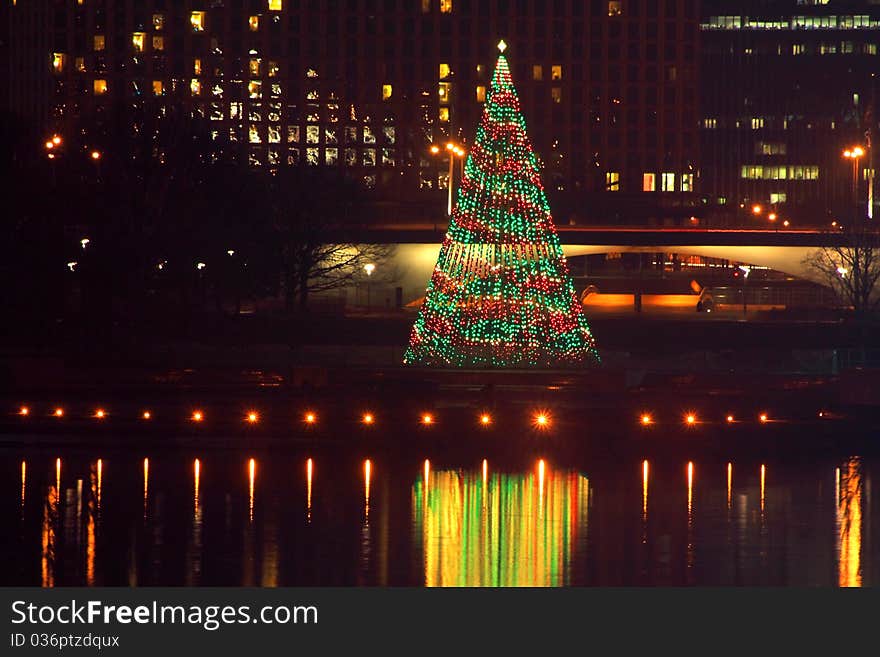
{"x": 501, "y": 294}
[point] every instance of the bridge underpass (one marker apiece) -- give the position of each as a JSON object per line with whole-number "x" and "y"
{"x": 417, "y": 249}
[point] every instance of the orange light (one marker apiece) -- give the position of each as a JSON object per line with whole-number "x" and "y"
{"x": 542, "y": 420}
{"x": 756, "y": 209}
{"x": 197, "y": 416}
{"x": 646, "y": 419}
{"x": 96, "y": 155}
{"x": 24, "y": 410}
{"x": 51, "y": 156}
{"x": 690, "y": 418}
{"x": 100, "y": 414}
{"x": 146, "y": 415}
{"x": 785, "y": 223}
{"x": 730, "y": 418}
{"x": 427, "y": 418}
{"x": 56, "y": 140}
{"x": 59, "y": 412}
{"x": 435, "y": 149}
{"x": 772, "y": 216}
{"x": 763, "y": 417}
{"x": 450, "y": 146}
{"x": 311, "y": 418}
{"x": 857, "y": 151}
{"x": 485, "y": 419}
{"x": 49, "y": 144}
{"x": 368, "y": 418}
{"x": 252, "y": 417}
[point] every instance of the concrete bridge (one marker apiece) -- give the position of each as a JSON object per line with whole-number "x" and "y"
{"x": 783, "y": 250}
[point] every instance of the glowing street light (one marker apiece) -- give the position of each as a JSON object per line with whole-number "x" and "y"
{"x": 485, "y": 419}
{"x": 310, "y": 418}
{"x": 84, "y": 242}
{"x": 56, "y": 140}
{"x": 691, "y": 419}
{"x": 253, "y": 417}
{"x": 96, "y": 155}
{"x": 367, "y": 418}
{"x": 757, "y": 209}
{"x": 455, "y": 150}
{"x": 427, "y": 418}
{"x": 542, "y": 420}
{"x": 646, "y": 419}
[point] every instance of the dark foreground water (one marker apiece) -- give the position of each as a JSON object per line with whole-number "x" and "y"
{"x": 285, "y": 519}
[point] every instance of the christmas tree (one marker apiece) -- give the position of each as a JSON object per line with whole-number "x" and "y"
{"x": 501, "y": 294}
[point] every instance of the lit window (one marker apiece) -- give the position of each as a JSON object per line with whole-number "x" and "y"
{"x": 331, "y": 156}
{"x": 687, "y": 182}
{"x": 369, "y": 157}
{"x": 757, "y": 123}
{"x": 556, "y": 72}
{"x": 649, "y": 182}
{"x": 255, "y": 89}
{"x": 80, "y": 64}
{"x": 481, "y": 94}
{"x": 615, "y": 7}
{"x": 157, "y": 87}
{"x": 350, "y": 157}
{"x": 710, "y": 124}
{"x": 197, "y": 20}
{"x": 445, "y": 6}
{"x": 480, "y": 70}
{"x": 369, "y": 135}
{"x": 158, "y": 21}
{"x": 100, "y": 87}
{"x": 612, "y": 181}
{"x": 444, "y": 71}
{"x": 254, "y": 23}
{"x": 137, "y": 41}
{"x": 195, "y": 87}
{"x": 387, "y": 157}
{"x": 556, "y": 94}
{"x": 389, "y": 134}
{"x": 777, "y": 197}
{"x": 443, "y": 92}
{"x": 386, "y": 91}
{"x": 312, "y": 156}
{"x": 313, "y": 134}
{"x": 58, "y": 61}
{"x": 275, "y": 5}
{"x": 274, "y": 134}
{"x": 444, "y": 114}
{"x": 98, "y": 42}
{"x": 667, "y": 182}
{"x": 254, "y": 134}
{"x": 158, "y": 43}
{"x": 254, "y": 66}
{"x": 537, "y": 72}
{"x": 197, "y": 66}
{"x": 426, "y": 6}
{"x": 273, "y": 69}
{"x": 292, "y": 134}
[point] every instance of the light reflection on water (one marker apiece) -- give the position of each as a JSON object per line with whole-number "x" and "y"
{"x": 508, "y": 533}
{"x": 226, "y": 519}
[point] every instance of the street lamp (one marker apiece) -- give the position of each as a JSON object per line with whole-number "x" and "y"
{"x": 455, "y": 150}
{"x": 854, "y": 154}
{"x": 369, "y": 268}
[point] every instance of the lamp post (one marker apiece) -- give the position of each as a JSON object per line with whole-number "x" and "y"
{"x": 369, "y": 268}
{"x": 455, "y": 150}
{"x": 854, "y": 154}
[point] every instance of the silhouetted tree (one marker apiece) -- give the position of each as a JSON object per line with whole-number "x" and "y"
{"x": 315, "y": 213}
{"x": 852, "y": 268}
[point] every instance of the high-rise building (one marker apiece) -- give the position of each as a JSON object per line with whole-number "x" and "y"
{"x": 608, "y": 87}
{"x": 25, "y": 52}
{"x": 787, "y": 87}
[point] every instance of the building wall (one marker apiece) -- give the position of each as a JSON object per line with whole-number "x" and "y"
{"x": 786, "y": 87}
{"x": 608, "y": 86}
{"x": 25, "y": 52}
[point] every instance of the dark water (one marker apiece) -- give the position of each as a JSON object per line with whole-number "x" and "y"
{"x": 284, "y": 518}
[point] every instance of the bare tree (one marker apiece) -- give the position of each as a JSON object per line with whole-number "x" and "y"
{"x": 851, "y": 268}
{"x": 316, "y": 216}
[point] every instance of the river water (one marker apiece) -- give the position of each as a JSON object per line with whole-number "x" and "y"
{"x": 292, "y": 518}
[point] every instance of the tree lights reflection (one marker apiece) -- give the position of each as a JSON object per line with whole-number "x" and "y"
{"x": 849, "y": 523}
{"x": 512, "y": 530}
